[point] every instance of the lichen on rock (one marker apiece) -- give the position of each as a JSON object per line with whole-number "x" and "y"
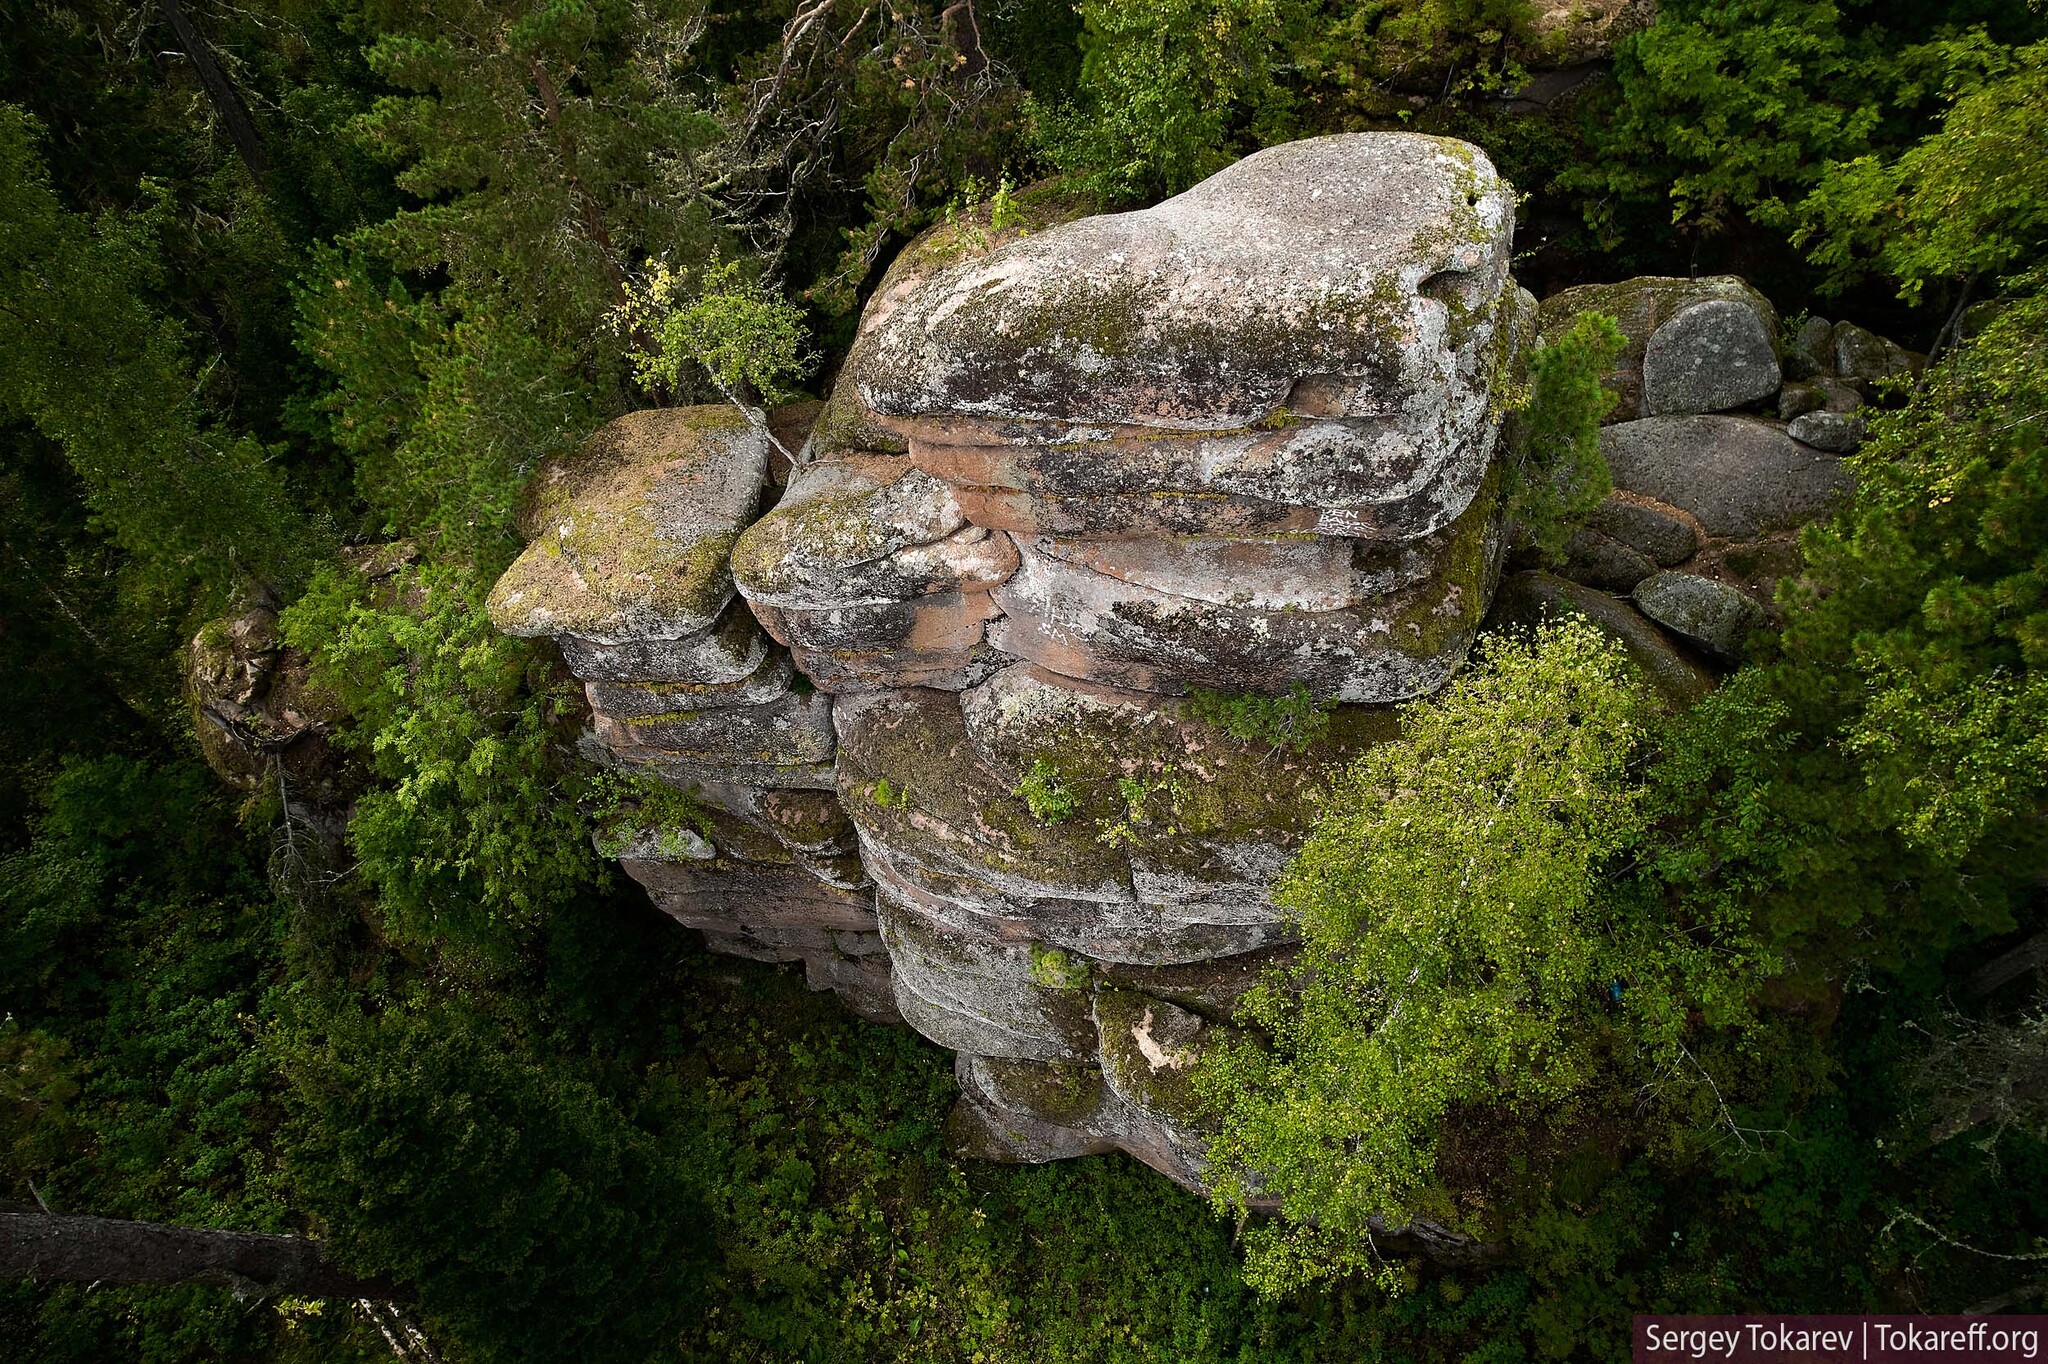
{"x": 632, "y": 531}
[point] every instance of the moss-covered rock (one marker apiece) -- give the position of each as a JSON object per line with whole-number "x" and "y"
{"x": 930, "y": 641}
{"x": 935, "y": 819}
{"x": 1363, "y": 261}
{"x": 793, "y": 730}
{"x": 1565, "y": 33}
{"x": 1068, "y": 1095}
{"x": 1149, "y": 1049}
{"x": 1739, "y": 477}
{"x": 631, "y": 533}
{"x": 1201, "y": 820}
{"x": 638, "y": 700}
{"x": 866, "y": 530}
{"x": 733, "y": 648}
{"x": 1640, "y": 306}
{"x": 975, "y": 993}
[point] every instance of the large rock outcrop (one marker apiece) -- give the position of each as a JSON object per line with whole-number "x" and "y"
{"x": 931, "y": 696}
{"x": 943, "y": 693}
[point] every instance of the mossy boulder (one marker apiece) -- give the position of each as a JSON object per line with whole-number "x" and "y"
{"x": 631, "y": 533}
{"x": 1360, "y": 264}
{"x": 1149, "y": 1050}
{"x": 976, "y": 993}
{"x": 1529, "y": 599}
{"x": 1710, "y": 613}
{"x": 1739, "y": 477}
{"x": 1202, "y": 821}
{"x": 1565, "y": 33}
{"x": 866, "y": 530}
{"x": 259, "y": 717}
{"x": 936, "y": 820}
{"x": 734, "y": 648}
{"x": 792, "y": 731}
{"x": 1714, "y": 356}
{"x": 636, "y": 700}
{"x": 1065, "y": 1094}
{"x": 1640, "y": 306}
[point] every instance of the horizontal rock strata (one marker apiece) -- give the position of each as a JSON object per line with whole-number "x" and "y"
{"x": 953, "y": 746}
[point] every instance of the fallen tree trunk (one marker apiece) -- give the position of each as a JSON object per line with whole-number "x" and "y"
{"x": 42, "y": 1246}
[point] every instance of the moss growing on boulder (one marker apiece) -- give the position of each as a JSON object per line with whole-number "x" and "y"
{"x": 632, "y": 532}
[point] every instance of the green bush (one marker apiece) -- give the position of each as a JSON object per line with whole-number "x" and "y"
{"x": 1045, "y": 795}
{"x": 1293, "y": 720}
{"x": 1477, "y": 939}
{"x": 471, "y": 835}
{"x": 1559, "y": 474}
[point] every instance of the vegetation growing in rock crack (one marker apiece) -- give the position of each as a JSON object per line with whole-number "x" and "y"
{"x": 1293, "y": 720}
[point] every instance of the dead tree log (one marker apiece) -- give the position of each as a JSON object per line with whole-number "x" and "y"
{"x": 38, "y": 1245}
{"x": 220, "y": 91}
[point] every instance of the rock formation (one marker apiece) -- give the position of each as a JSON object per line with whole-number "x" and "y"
{"x": 946, "y": 700}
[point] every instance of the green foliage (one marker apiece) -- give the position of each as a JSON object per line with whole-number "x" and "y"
{"x": 138, "y": 956}
{"x": 1723, "y": 108}
{"x": 1055, "y": 970}
{"x": 444, "y": 404}
{"x": 1170, "y": 91}
{"x": 621, "y": 805}
{"x": 1293, "y": 720}
{"x": 746, "y": 339}
{"x": 1727, "y": 113}
{"x": 1922, "y": 630}
{"x": 1165, "y": 86}
{"x": 107, "y": 378}
{"x": 547, "y": 145}
{"x": 1473, "y": 942}
{"x": 1045, "y": 794}
{"x": 886, "y": 795}
{"x": 472, "y": 837}
{"x": 1561, "y": 474}
{"x": 1368, "y": 60}
{"x": 1971, "y": 200}
{"x": 607, "y": 1148}
{"x": 537, "y": 1218}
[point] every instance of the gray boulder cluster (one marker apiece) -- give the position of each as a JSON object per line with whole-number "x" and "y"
{"x": 1725, "y": 441}
{"x": 949, "y": 693}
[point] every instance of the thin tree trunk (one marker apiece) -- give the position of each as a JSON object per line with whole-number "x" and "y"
{"x": 220, "y": 91}
{"x": 964, "y": 33}
{"x": 37, "y": 1245}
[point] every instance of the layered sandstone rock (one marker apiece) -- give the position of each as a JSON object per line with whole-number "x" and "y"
{"x": 1078, "y": 446}
{"x": 949, "y": 746}
{"x": 629, "y": 570}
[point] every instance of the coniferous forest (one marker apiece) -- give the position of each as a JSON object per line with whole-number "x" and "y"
{"x": 1749, "y": 1007}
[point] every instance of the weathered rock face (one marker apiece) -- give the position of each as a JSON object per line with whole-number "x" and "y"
{"x": 947, "y": 745}
{"x": 1348, "y": 278}
{"x": 1356, "y": 623}
{"x": 1070, "y": 472}
{"x": 631, "y": 535}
